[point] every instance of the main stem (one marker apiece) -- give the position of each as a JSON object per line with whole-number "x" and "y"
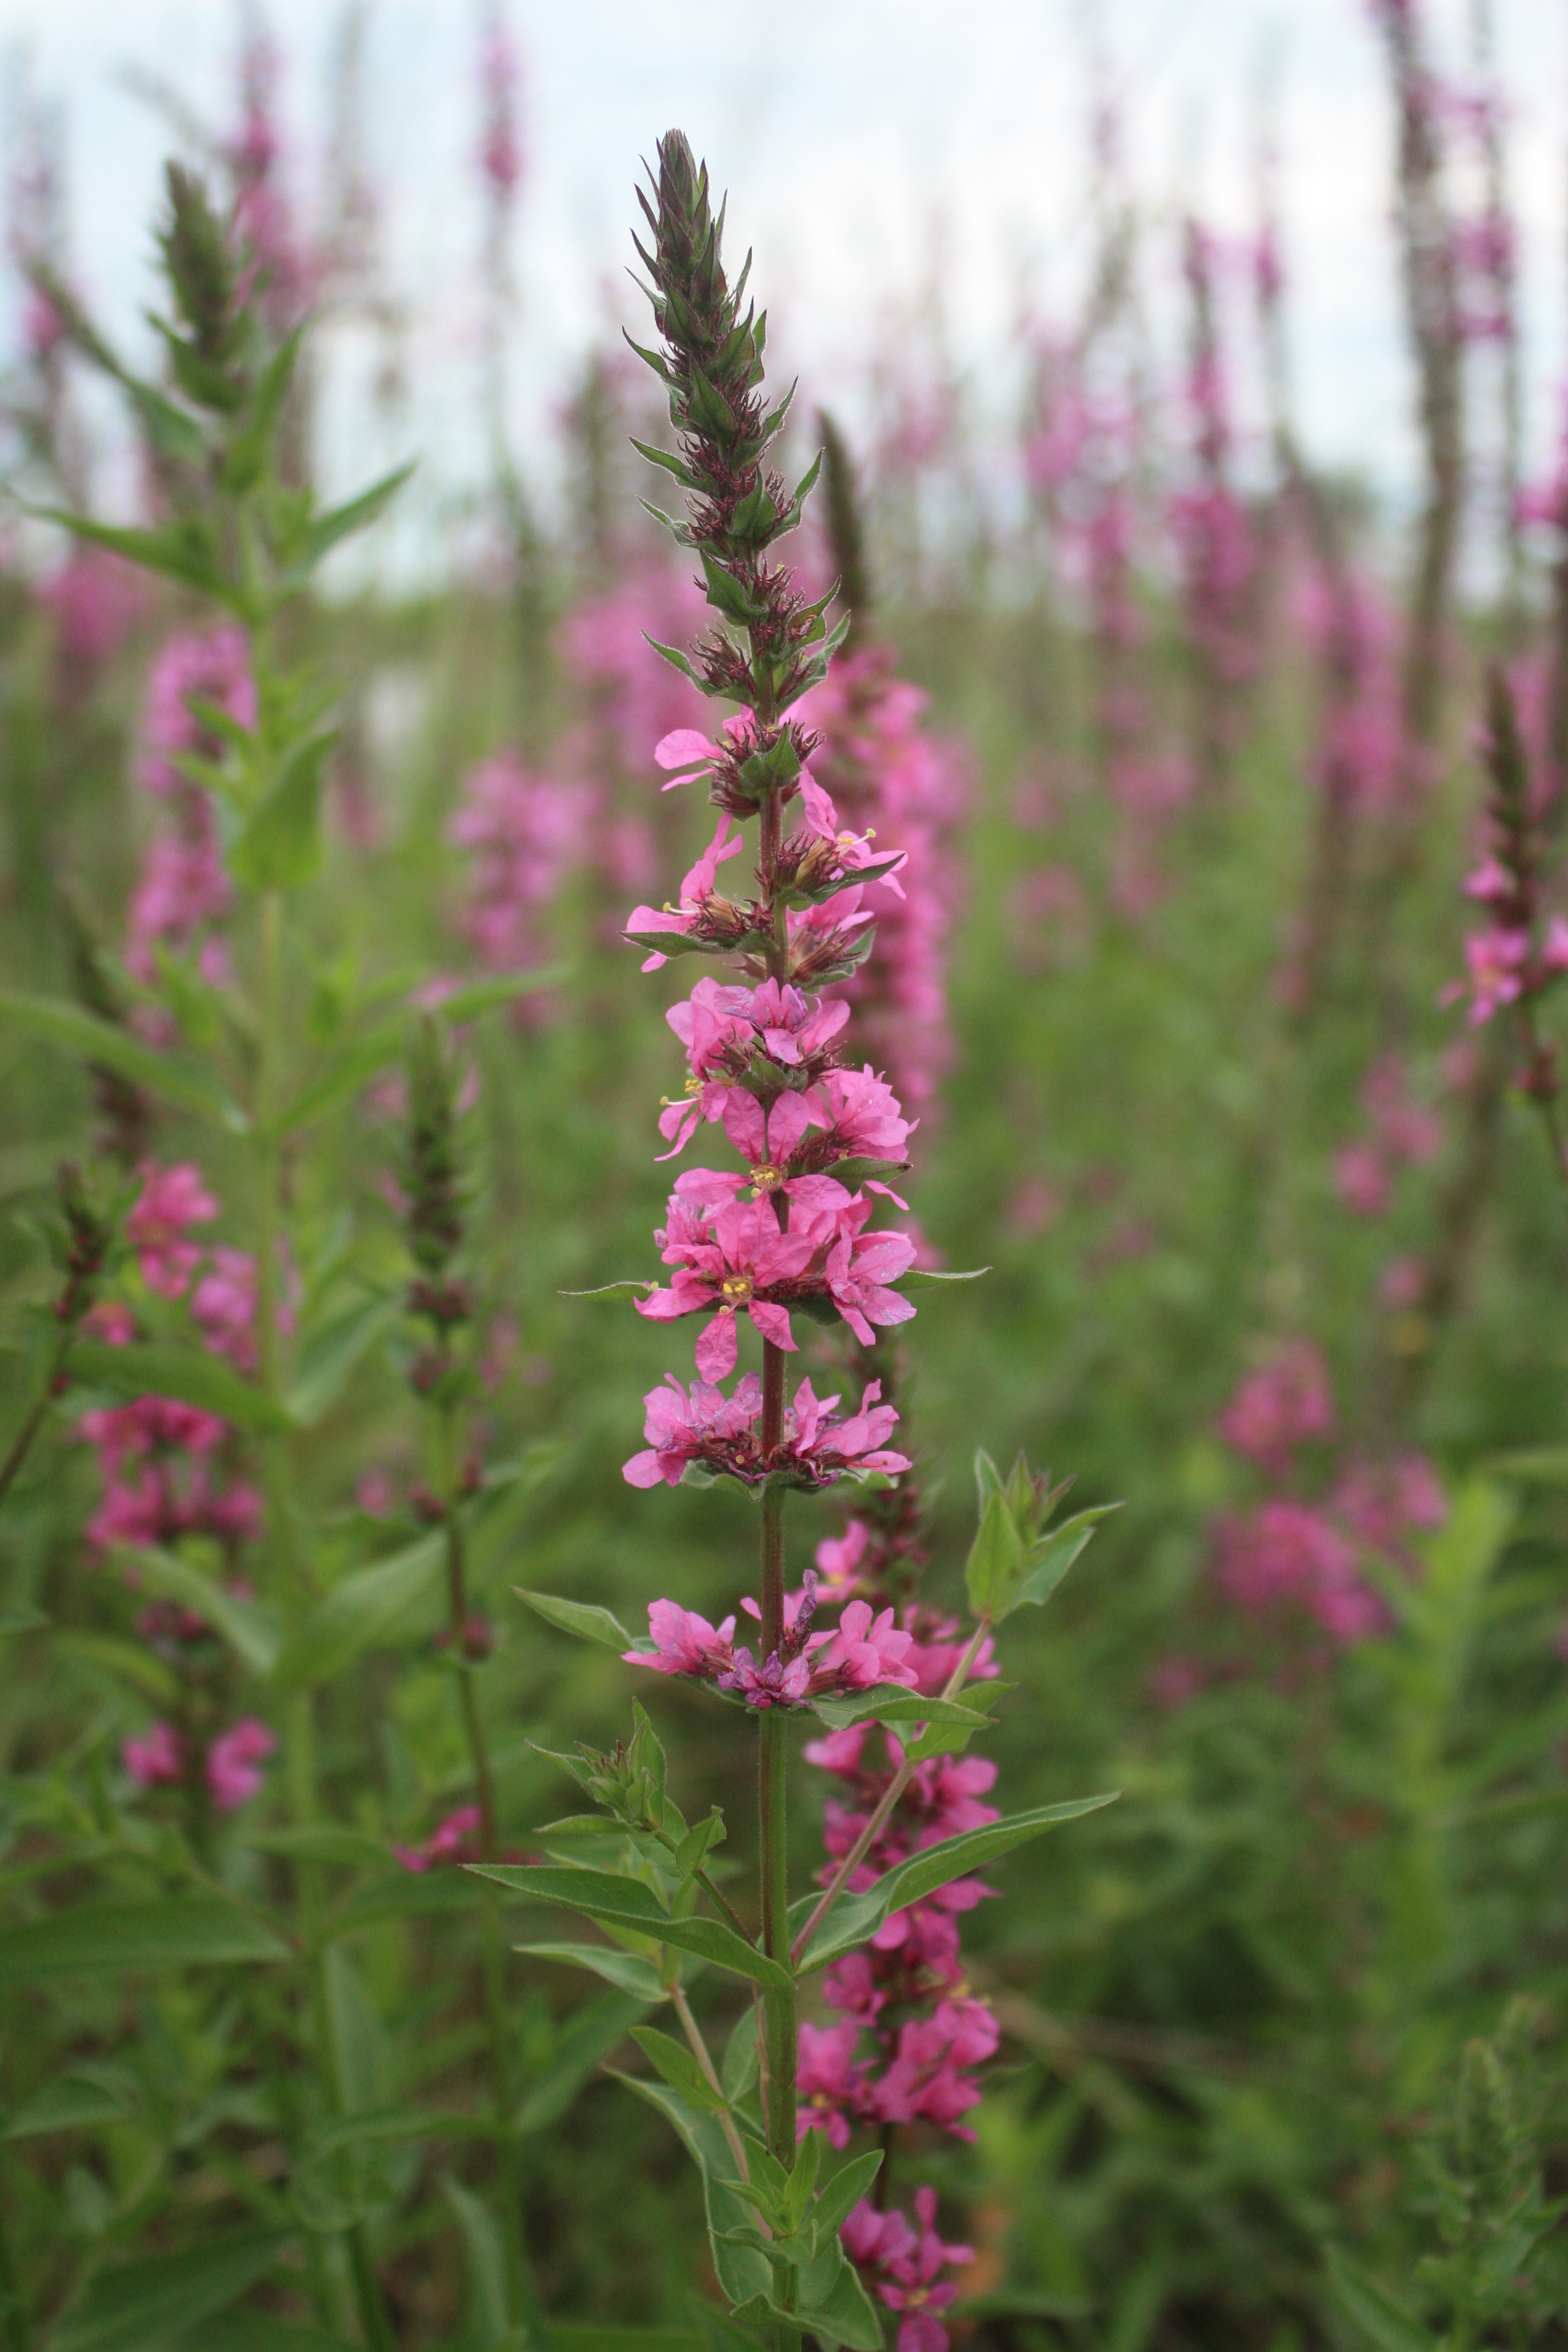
{"x": 301, "y": 1742}
{"x": 772, "y": 1792}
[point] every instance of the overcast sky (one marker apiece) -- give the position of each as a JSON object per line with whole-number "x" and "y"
{"x": 849, "y": 133}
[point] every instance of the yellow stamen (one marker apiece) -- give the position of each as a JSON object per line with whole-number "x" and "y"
{"x": 765, "y": 1176}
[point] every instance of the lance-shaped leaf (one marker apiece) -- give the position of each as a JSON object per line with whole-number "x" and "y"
{"x": 351, "y": 1070}
{"x": 342, "y": 522}
{"x": 110, "y": 1940}
{"x": 627, "y": 1971}
{"x": 155, "y": 1369}
{"x": 1386, "y": 2323}
{"x": 164, "y": 2297}
{"x": 1051, "y": 1557}
{"x": 922, "y": 1277}
{"x": 741, "y": 2271}
{"x": 581, "y": 2044}
{"x": 184, "y": 550}
{"x": 278, "y": 846}
{"x": 329, "y": 1355}
{"x": 855, "y": 1917}
{"x": 680, "y": 2069}
{"x": 890, "y": 1703}
{"x": 627, "y": 1902}
{"x": 582, "y": 1618}
{"x": 361, "y": 1610}
{"x": 87, "y": 2096}
{"x": 165, "y": 1075}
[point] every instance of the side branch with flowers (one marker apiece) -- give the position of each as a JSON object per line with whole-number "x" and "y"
{"x": 790, "y": 1231}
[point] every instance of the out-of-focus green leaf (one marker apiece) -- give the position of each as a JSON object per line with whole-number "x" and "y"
{"x": 361, "y": 1610}
{"x": 173, "y": 1079}
{"x": 1388, "y": 2325}
{"x": 143, "y": 2306}
{"x": 243, "y": 1625}
{"x": 153, "y": 1369}
{"x": 582, "y": 2045}
{"x": 107, "y": 1939}
{"x": 329, "y": 1355}
{"x": 278, "y": 846}
{"x": 76, "y": 2101}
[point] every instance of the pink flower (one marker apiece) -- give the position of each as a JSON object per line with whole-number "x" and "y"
{"x": 684, "y": 1643}
{"x": 214, "y": 669}
{"x": 911, "y": 2284}
{"x": 1277, "y": 1408}
{"x": 95, "y": 598}
{"x": 525, "y": 832}
{"x": 158, "y": 1756}
{"x": 1361, "y": 1179}
{"x": 448, "y": 1842}
{"x": 223, "y": 1306}
{"x": 1288, "y": 1553}
{"x": 868, "y": 1650}
{"x": 926, "y": 2081}
{"x": 232, "y": 1761}
{"x": 838, "y": 1556}
{"x": 733, "y": 1270}
{"x": 829, "y": 2088}
{"x": 1497, "y": 965}
{"x": 170, "y": 1200}
{"x": 724, "y": 1435}
{"x": 859, "y": 1269}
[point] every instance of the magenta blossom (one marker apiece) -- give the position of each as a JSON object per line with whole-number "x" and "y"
{"x": 902, "y": 2267}
{"x": 1275, "y": 1409}
{"x": 741, "y": 1256}
{"x": 684, "y": 1643}
{"x": 232, "y": 1762}
{"x": 158, "y": 1756}
{"x": 170, "y": 1200}
{"x": 829, "y": 2088}
{"x": 451, "y": 1840}
{"x": 723, "y": 1436}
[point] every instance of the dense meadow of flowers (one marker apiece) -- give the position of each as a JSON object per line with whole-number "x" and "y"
{"x": 1125, "y": 1031}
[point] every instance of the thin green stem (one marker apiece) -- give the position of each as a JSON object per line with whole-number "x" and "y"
{"x": 890, "y": 1797}
{"x": 21, "y": 1445}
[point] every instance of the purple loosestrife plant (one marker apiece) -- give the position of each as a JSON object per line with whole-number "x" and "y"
{"x": 788, "y": 1232}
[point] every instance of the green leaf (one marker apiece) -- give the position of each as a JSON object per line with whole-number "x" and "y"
{"x": 1541, "y": 1466}
{"x": 130, "y": 1661}
{"x": 671, "y": 463}
{"x": 921, "y": 1277}
{"x": 855, "y": 1916}
{"x": 727, "y": 596}
{"x": 625, "y": 1970}
{"x": 580, "y": 1617}
{"x": 679, "y": 2068}
{"x": 142, "y": 2307}
{"x": 278, "y": 846}
{"x": 995, "y": 1562}
{"x": 839, "y": 2198}
{"x": 1050, "y": 1559}
{"x": 890, "y": 1703}
{"x": 154, "y": 1368}
{"x": 181, "y": 551}
{"x": 76, "y": 2101}
{"x": 329, "y": 1355}
{"x": 845, "y": 2315}
{"x": 361, "y": 1611}
{"x": 741, "y": 2271}
{"x": 244, "y": 1627}
{"x": 802, "y": 2182}
{"x": 108, "y": 1939}
{"x": 22, "y": 1620}
{"x": 586, "y": 2336}
{"x": 342, "y": 522}
{"x": 324, "y": 1841}
{"x": 489, "y": 2322}
{"x": 248, "y": 2330}
{"x": 614, "y": 1290}
{"x": 741, "y": 2062}
{"x": 95, "y": 1041}
{"x": 582, "y": 2045}
{"x": 1390, "y": 2327}
{"x": 628, "y": 1903}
